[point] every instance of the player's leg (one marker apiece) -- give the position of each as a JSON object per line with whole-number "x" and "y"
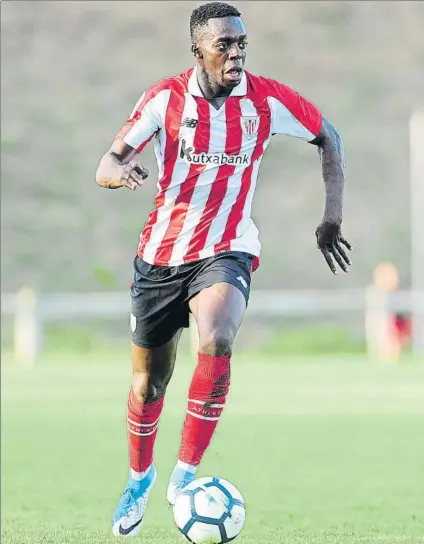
{"x": 157, "y": 316}
{"x": 152, "y": 370}
{"x": 218, "y": 310}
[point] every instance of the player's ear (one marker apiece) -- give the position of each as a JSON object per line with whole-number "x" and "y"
{"x": 196, "y": 51}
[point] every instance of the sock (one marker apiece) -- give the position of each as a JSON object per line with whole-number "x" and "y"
{"x": 207, "y": 395}
{"x": 138, "y": 476}
{"x": 186, "y": 467}
{"x": 143, "y": 421}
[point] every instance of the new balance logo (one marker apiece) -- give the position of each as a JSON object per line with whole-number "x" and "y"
{"x": 189, "y": 155}
{"x": 190, "y": 123}
{"x": 242, "y": 281}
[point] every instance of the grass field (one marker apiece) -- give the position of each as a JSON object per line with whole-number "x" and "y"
{"x": 324, "y": 453}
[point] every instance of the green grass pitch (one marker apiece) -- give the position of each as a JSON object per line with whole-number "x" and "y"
{"x": 324, "y": 453}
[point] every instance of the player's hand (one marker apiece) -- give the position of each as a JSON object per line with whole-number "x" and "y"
{"x": 133, "y": 175}
{"x": 330, "y": 241}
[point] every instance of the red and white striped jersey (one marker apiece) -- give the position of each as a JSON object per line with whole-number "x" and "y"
{"x": 208, "y": 161}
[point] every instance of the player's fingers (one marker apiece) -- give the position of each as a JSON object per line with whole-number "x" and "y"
{"x": 343, "y": 254}
{"x": 139, "y": 169}
{"x": 130, "y": 184}
{"x": 339, "y": 259}
{"x": 329, "y": 260}
{"x": 133, "y": 175}
{"x": 345, "y": 242}
{"x": 138, "y": 178}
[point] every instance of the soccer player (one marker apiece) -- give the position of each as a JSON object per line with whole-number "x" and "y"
{"x": 211, "y": 126}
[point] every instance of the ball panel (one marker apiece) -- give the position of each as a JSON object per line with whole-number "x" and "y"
{"x": 204, "y": 533}
{"x": 231, "y": 489}
{"x": 234, "y": 523}
{"x": 224, "y": 538}
{"x": 211, "y": 502}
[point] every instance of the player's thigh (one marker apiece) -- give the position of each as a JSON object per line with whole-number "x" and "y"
{"x": 158, "y": 311}
{"x": 156, "y": 360}
{"x": 152, "y": 368}
{"x": 157, "y": 316}
{"x": 220, "y": 307}
{"x": 220, "y": 296}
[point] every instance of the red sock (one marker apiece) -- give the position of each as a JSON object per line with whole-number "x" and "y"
{"x": 143, "y": 421}
{"x": 206, "y": 400}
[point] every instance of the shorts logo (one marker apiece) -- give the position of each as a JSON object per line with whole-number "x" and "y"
{"x": 133, "y": 322}
{"x": 191, "y": 157}
{"x": 242, "y": 281}
{"x": 249, "y": 126}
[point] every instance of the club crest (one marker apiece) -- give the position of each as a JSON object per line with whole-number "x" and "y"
{"x": 249, "y": 126}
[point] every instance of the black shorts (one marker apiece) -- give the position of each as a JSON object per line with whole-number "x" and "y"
{"x": 160, "y": 294}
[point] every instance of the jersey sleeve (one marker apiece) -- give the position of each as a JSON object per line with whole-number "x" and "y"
{"x": 292, "y": 114}
{"x": 143, "y": 123}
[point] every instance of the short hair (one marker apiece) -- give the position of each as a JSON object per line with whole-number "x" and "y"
{"x": 201, "y": 15}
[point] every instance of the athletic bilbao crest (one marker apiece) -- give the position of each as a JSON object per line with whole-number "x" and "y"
{"x": 249, "y": 126}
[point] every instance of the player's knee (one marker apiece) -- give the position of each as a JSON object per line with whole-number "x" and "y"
{"x": 216, "y": 342}
{"x": 156, "y": 388}
{"x": 140, "y": 385}
{"x": 147, "y": 388}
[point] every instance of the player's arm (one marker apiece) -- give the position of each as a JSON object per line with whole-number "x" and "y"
{"x": 117, "y": 167}
{"x": 295, "y": 116}
{"x": 328, "y": 232}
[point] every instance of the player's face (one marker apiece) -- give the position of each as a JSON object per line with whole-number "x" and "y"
{"x": 222, "y": 47}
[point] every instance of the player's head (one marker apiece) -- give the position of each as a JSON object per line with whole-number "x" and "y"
{"x": 219, "y": 40}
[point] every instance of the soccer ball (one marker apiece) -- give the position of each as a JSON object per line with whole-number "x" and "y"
{"x": 209, "y": 511}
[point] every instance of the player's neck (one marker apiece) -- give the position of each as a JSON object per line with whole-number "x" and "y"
{"x": 210, "y": 87}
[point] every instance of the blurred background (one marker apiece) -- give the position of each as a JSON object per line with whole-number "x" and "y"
{"x": 71, "y": 74}
{"x": 305, "y": 371}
